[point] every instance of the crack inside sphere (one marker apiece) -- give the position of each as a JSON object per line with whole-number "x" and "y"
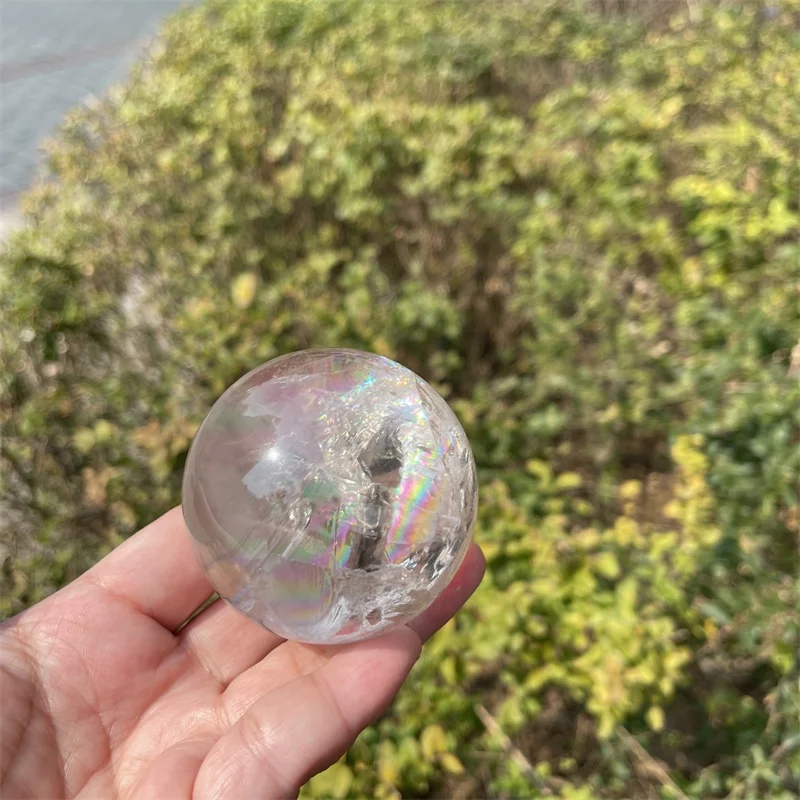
{"x": 330, "y": 495}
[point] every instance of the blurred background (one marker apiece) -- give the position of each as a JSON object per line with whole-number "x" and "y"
{"x": 55, "y": 54}
{"x": 579, "y": 220}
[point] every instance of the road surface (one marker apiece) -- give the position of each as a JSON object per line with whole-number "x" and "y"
{"x": 55, "y": 54}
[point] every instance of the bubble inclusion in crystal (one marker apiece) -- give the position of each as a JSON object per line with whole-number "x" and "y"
{"x": 330, "y": 495}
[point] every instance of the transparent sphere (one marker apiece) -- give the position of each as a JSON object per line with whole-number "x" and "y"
{"x": 330, "y": 495}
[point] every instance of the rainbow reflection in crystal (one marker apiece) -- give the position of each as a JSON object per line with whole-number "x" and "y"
{"x": 330, "y": 495}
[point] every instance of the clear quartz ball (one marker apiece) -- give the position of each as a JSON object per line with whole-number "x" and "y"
{"x": 330, "y": 495}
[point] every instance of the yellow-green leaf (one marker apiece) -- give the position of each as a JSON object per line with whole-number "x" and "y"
{"x": 539, "y": 469}
{"x": 606, "y": 564}
{"x": 84, "y": 439}
{"x": 334, "y": 782}
{"x": 568, "y": 480}
{"x": 243, "y": 289}
{"x": 388, "y": 771}
{"x": 341, "y": 780}
{"x": 449, "y": 670}
{"x": 103, "y": 430}
{"x": 630, "y": 490}
{"x": 433, "y": 741}
{"x": 655, "y": 718}
{"x": 451, "y": 763}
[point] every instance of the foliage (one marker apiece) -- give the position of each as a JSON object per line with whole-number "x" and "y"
{"x": 584, "y": 230}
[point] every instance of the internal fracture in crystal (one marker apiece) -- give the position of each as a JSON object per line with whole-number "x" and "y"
{"x": 330, "y": 495}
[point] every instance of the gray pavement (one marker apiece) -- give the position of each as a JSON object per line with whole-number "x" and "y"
{"x": 55, "y": 54}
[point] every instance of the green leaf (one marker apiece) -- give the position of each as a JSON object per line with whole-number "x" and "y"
{"x": 714, "y": 612}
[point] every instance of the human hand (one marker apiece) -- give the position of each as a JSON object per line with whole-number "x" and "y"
{"x": 101, "y": 698}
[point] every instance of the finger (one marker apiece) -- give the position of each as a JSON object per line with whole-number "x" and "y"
{"x": 156, "y": 571}
{"x": 303, "y": 727}
{"x": 295, "y": 659}
{"x": 225, "y": 643}
{"x": 289, "y": 661}
{"x": 171, "y": 772}
{"x": 458, "y": 591}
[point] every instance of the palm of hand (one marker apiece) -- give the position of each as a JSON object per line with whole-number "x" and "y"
{"x": 102, "y": 699}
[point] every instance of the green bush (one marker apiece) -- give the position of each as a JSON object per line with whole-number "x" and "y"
{"x": 583, "y": 230}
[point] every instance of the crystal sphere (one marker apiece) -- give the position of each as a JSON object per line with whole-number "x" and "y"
{"x": 330, "y": 495}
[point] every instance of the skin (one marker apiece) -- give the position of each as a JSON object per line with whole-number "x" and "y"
{"x": 101, "y": 698}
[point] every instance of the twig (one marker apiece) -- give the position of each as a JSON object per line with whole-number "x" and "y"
{"x": 776, "y": 756}
{"x": 794, "y": 362}
{"x": 785, "y": 749}
{"x": 516, "y": 755}
{"x": 655, "y": 769}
